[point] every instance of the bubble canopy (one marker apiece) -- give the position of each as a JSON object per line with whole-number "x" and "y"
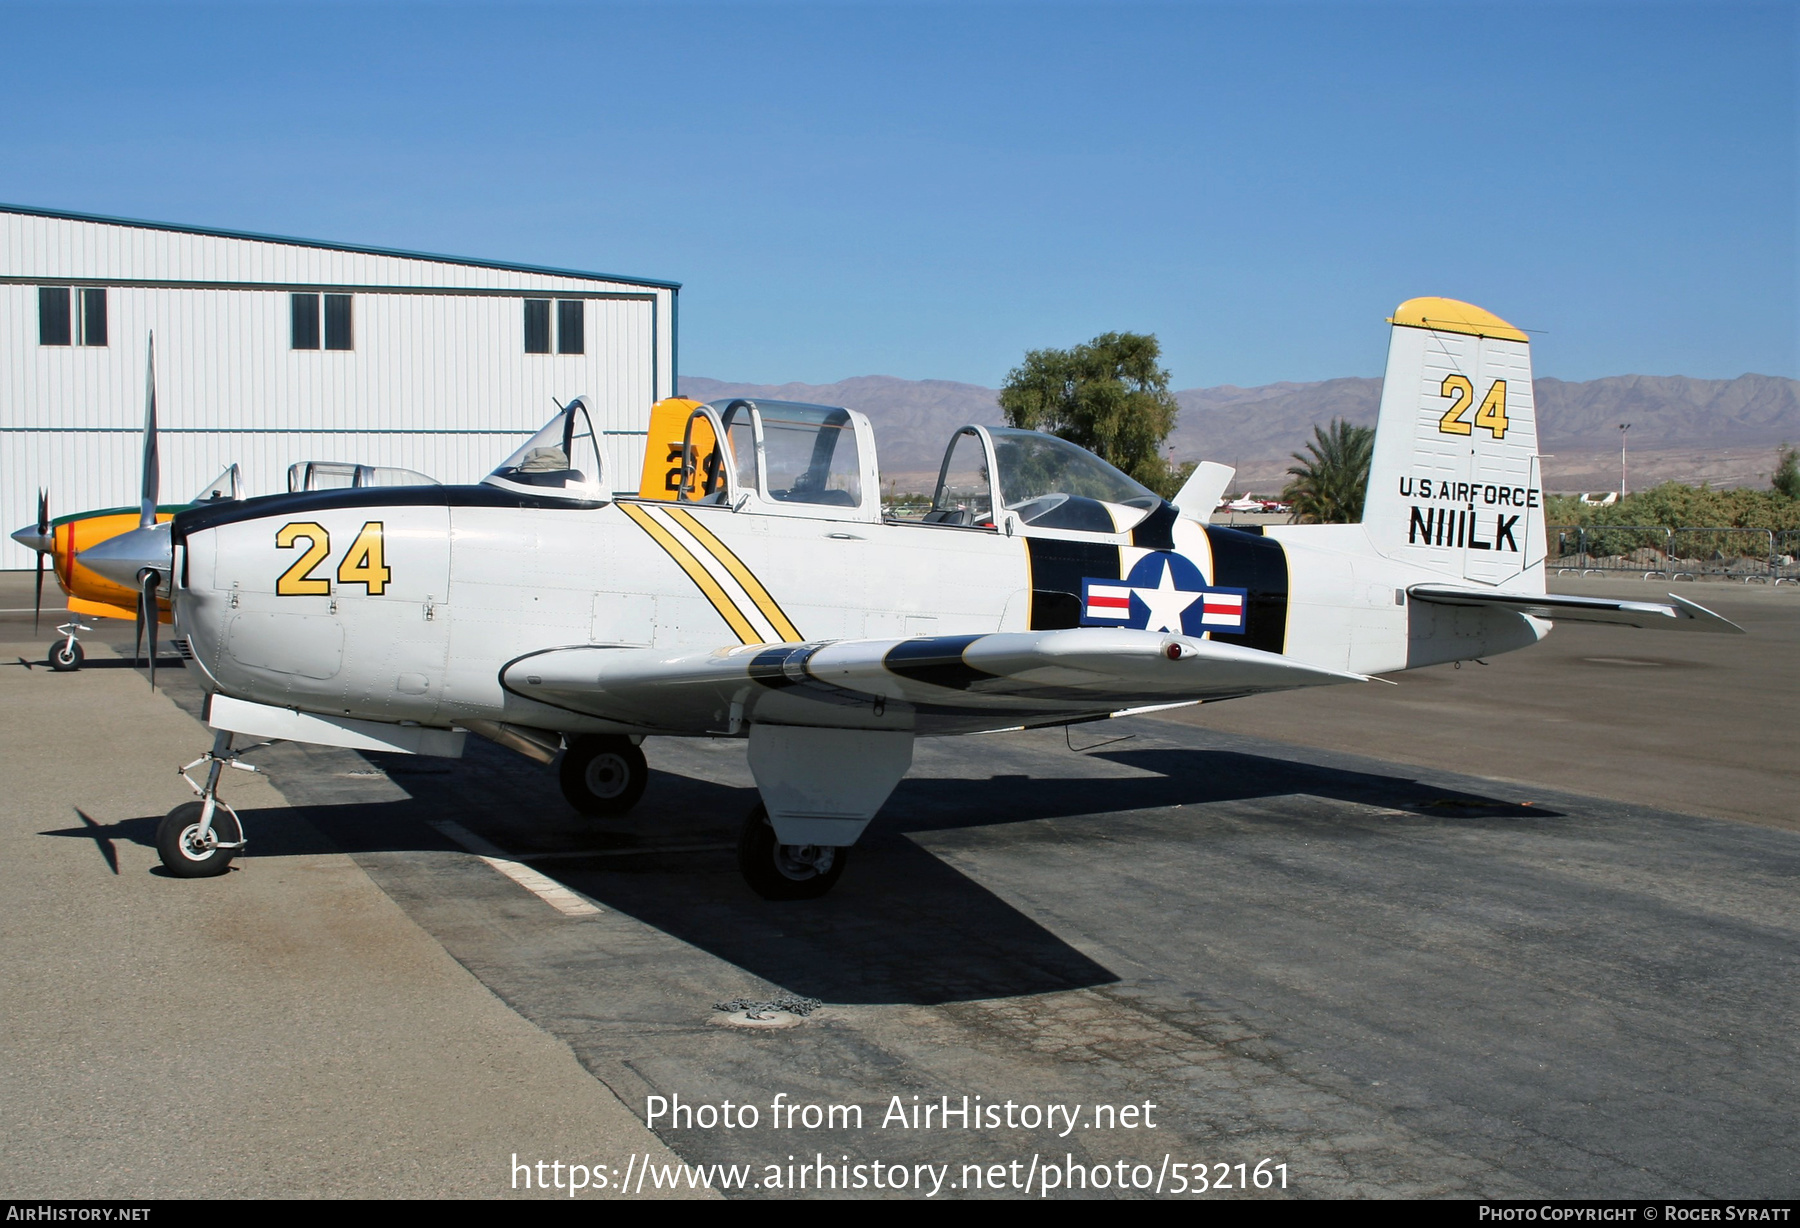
{"x": 561, "y": 461}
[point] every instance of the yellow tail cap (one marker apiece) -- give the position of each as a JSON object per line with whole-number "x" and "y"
{"x": 1448, "y": 315}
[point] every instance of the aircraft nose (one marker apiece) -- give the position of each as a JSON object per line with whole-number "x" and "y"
{"x": 123, "y": 558}
{"x": 31, "y": 539}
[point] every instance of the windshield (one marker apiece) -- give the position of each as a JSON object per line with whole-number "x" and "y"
{"x": 963, "y": 496}
{"x": 225, "y": 486}
{"x": 561, "y": 461}
{"x": 1033, "y": 465}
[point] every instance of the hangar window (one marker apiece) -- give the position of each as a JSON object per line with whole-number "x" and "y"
{"x": 571, "y": 320}
{"x": 53, "y": 315}
{"x": 337, "y": 332}
{"x": 305, "y": 321}
{"x": 571, "y": 326}
{"x": 338, "y": 335}
{"x": 537, "y": 326}
{"x": 65, "y": 318}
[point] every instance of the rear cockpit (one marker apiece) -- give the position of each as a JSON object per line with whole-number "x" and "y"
{"x": 1044, "y": 482}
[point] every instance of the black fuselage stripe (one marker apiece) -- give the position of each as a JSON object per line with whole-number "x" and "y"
{"x": 1157, "y": 530}
{"x": 1259, "y": 566}
{"x": 201, "y": 517}
{"x": 1058, "y": 566}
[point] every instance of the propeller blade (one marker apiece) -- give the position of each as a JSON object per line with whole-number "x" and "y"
{"x": 43, "y": 528}
{"x": 152, "y": 472}
{"x": 137, "y": 638}
{"x": 151, "y": 618}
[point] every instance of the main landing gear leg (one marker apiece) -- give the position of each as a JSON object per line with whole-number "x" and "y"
{"x": 199, "y": 839}
{"x": 66, "y": 653}
{"x": 777, "y": 871}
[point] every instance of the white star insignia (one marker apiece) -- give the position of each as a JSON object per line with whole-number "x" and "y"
{"x": 1167, "y": 603}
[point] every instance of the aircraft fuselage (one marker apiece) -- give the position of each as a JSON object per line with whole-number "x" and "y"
{"x": 408, "y": 605}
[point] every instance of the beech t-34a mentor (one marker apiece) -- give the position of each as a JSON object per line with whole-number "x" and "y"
{"x": 752, "y": 588}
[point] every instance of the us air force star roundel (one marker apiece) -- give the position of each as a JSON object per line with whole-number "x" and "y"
{"x": 1164, "y": 592}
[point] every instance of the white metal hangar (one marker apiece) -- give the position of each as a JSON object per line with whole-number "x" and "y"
{"x": 273, "y": 350}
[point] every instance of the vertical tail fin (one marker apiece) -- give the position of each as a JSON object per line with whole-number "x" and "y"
{"x": 1455, "y": 485}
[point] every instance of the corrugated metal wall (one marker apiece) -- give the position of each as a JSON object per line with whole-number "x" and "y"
{"x": 438, "y": 379}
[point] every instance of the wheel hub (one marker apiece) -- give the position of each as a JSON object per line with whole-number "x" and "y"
{"x": 607, "y": 776}
{"x": 804, "y": 861}
{"x": 193, "y": 847}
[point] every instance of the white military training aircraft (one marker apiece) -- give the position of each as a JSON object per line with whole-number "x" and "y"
{"x": 752, "y": 588}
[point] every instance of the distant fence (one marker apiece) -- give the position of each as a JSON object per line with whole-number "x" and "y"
{"x": 1676, "y": 554}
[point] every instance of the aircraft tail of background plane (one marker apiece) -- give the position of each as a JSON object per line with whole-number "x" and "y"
{"x": 1455, "y": 485}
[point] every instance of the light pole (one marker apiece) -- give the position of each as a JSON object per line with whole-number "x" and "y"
{"x": 1623, "y": 427}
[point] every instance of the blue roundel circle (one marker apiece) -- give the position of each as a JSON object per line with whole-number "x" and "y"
{"x": 1156, "y": 581}
{"x": 1149, "y": 571}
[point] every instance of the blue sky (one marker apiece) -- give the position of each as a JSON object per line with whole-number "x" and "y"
{"x": 927, "y": 190}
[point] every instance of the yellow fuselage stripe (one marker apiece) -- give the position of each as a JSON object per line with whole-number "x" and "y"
{"x": 702, "y": 579}
{"x": 742, "y": 574}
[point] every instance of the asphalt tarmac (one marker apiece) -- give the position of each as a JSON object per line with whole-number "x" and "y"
{"x": 1496, "y": 971}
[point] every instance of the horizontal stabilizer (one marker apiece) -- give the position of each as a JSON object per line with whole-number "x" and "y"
{"x": 936, "y": 684}
{"x": 1200, "y": 494}
{"x": 1684, "y": 615}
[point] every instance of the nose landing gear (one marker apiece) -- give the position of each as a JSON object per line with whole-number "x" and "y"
{"x": 66, "y": 653}
{"x": 199, "y": 839}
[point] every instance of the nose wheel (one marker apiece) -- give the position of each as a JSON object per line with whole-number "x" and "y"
{"x": 199, "y": 839}
{"x": 193, "y": 844}
{"x": 603, "y": 774}
{"x": 777, "y": 871}
{"x": 66, "y": 654}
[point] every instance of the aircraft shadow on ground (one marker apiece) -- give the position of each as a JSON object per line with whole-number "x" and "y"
{"x": 902, "y": 925}
{"x": 1184, "y": 777}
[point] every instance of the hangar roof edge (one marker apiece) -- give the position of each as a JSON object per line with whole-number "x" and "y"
{"x": 359, "y": 248}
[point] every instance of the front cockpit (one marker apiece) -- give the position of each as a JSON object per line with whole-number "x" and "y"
{"x": 561, "y": 461}
{"x": 784, "y": 457}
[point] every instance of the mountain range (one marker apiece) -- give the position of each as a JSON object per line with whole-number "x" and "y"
{"x": 1726, "y": 432}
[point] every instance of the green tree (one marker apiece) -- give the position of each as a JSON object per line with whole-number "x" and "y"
{"x": 1328, "y": 486}
{"x": 1787, "y": 473}
{"x": 1109, "y": 396}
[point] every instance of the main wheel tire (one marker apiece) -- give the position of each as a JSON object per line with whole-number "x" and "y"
{"x": 66, "y": 655}
{"x": 777, "y": 871}
{"x": 184, "y": 858}
{"x": 603, "y": 774}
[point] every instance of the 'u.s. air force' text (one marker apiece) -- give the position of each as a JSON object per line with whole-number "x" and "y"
{"x": 1466, "y": 526}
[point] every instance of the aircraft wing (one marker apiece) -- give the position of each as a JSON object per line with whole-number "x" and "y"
{"x": 930, "y": 684}
{"x": 1684, "y": 615}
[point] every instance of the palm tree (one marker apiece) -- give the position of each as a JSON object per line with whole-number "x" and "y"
{"x": 1328, "y": 487}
